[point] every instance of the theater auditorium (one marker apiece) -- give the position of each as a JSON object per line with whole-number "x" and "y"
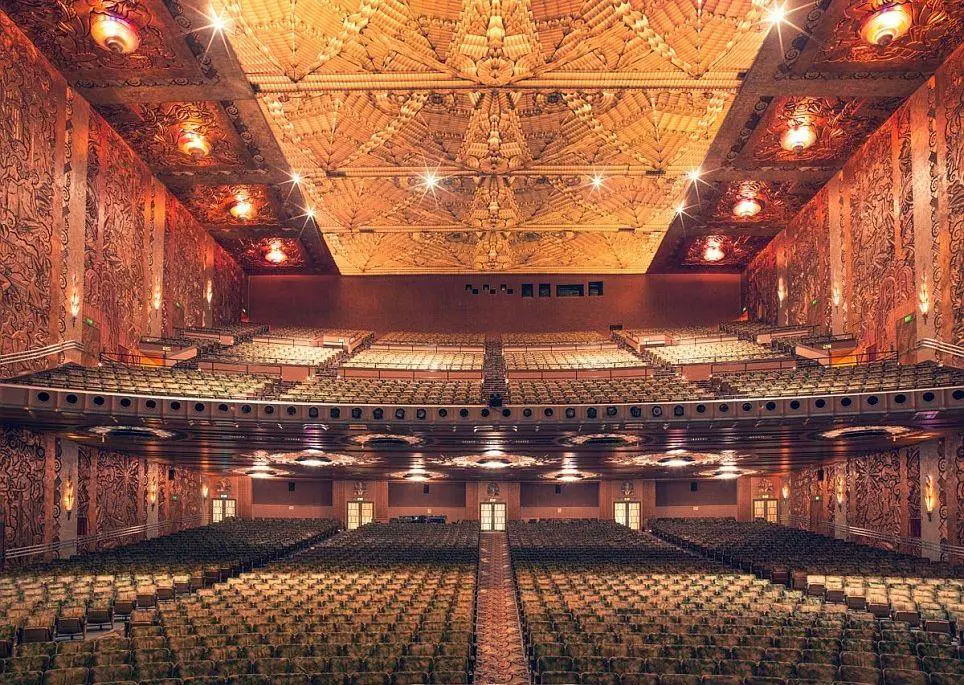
{"x": 492, "y": 342}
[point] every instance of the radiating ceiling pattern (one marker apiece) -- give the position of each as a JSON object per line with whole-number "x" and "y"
{"x": 494, "y": 135}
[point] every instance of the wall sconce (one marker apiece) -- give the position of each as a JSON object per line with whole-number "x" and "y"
{"x": 836, "y": 296}
{"x": 67, "y": 499}
{"x": 156, "y": 297}
{"x": 930, "y": 498}
{"x": 781, "y": 290}
{"x": 74, "y": 300}
{"x": 152, "y": 492}
{"x": 204, "y": 491}
{"x": 785, "y": 491}
{"x": 839, "y": 491}
{"x": 209, "y": 292}
{"x": 924, "y": 300}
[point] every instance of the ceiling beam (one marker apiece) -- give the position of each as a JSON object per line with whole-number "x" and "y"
{"x": 521, "y": 228}
{"x": 567, "y": 80}
{"x": 449, "y": 171}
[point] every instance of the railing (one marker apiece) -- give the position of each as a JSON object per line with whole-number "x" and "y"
{"x": 941, "y": 346}
{"x": 896, "y": 543}
{"x": 87, "y": 542}
{"x": 40, "y": 352}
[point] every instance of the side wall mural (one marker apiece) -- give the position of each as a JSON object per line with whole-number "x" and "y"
{"x": 884, "y": 239}
{"x": 92, "y": 247}
{"x": 111, "y": 491}
{"x": 908, "y": 495}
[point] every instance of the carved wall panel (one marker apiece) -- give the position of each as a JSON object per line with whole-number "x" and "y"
{"x": 185, "y": 250}
{"x": 119, "y": 489}
{"x": 868, "y": 230}
{"x": 28, "y": 171}
{"x": 228, "y": 284}
{"x": 23, "y": 469}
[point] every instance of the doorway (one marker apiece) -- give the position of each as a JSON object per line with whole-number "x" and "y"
{"x": 627, "y": 514}
{"x": 360, "y": 513}
{"x": 492, "y": 516}
{"x": 223, "y": 509}
{"x": 765, "y": 509}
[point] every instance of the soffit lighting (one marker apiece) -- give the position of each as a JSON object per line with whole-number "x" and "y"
{"x": 886, "y": 25}
{"x": 747, "y": 207}
{"x": 714, "y": 250}
{"x": 113, "y": 33}
{"x": 243, "y": 208}
{"x": 275, "y": 255}
{"x": 193, "y": 144}
{"x": 569, "y": 477}
{"x": 798, "y": 138}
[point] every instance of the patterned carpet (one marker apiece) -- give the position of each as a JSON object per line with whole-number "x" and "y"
{"x": 500, "y": 654}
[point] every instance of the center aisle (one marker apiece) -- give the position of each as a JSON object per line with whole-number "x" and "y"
{"x": 500, "y": 655}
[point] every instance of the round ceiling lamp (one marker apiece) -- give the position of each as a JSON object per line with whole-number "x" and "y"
{"x": 886, "y": 25}
{"x": 676, "y": 461}
{"x": 193, "y": 144}
{"x": 113, "y": 33}
{"x": 747, "y": 207}
{"x": 798, "y": 138}
{"x": 714, "y": 250}
{"x": 242, "y": 208}
{"x": 275, "y": 255}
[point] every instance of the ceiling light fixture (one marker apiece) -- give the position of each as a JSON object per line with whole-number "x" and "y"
{"x": 295, "y": 178}
{"x": 312, "y": 461}
{"x": 748, "y": 205}
{"x": 675, "y": 461}
{"x": 776, "y": 15}
{"x": 569, "y": 477}
{"x": 727, "y": 475}
{"x": 275, "y": 255}
{"x": 798, "y": 138}
{"x": 242, "y": 208}
{"x": 193, "y": 144}
{"x": 886, "y": 25}
{"x": 714, "y": 250}
{"x": 597, "y": 181}
{"x": 219, "y": 24}
{"x": 431, "y": 180}
{"x": 694, "y": 174}
{"x": 113, "y": 33}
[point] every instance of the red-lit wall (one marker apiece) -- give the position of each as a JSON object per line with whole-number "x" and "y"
{"x": 83, "y": 221}
{"x": 886, "y": 233}
{"x": 436, "y": 303}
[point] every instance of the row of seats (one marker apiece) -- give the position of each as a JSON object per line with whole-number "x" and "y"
{"x": 149, "y": 380}
{"x": 377, "y": 390}
{"x": 541, "y": 360}
{"x": 731, "y": 350}
{"x": 442, "y": 339}
{"x": 255, "y": 352}
{"x": 63, "y": 596}
{"x": 661, "y": 388}
{"x": 606, "y": 605}
{"x": 886, "y": 583}
{"x": 559, "y": 338}
{"x": 820, "y": 380}
{"x": 415, "y": 360}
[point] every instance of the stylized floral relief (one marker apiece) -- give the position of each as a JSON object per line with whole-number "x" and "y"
{"x": 808, "y": 286}
{"x": 227, "y": 286}
{"x": 28, "y": 118}
{"x": 118, "y": 491}
{"x": 912, "y": 456}
{"x": 185, "y": 247}
{"x": 22, "y": 482}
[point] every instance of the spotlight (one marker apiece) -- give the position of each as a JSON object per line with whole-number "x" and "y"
{"x": 680, "y": 209}
{"x": 193, "y": 144}
{"x": 417, "y": 476}
{"x": 261, "y": 475}
{"x": 313, "y": 461}
{"x": 597, "y": 181}
{"x": 675, "y": 461}
{"x": 776, "y": 15}
{"x": 798, "y": 138}
{"x": 494, "y": 463}
{"x": 694, "y": 174}
{"x": 113, "y": 33}
{"x": 218, "y": 23}
{"x": 727, "y": 475}
{"x": 886, "y": 25}
{"x": 747, "y": 207}
{"x": 295, "y": 178}
{"x": 310, "y": 212}
{"x": 242, "y": 208}
{"x": 431, "y": 180}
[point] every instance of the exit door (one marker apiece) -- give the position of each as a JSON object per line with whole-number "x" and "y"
{"x": 627, "y": 514}
{"x": 360, "y": 513}
{"x": 492, "y": 516}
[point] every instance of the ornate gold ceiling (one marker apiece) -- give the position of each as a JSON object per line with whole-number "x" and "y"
{"x": 512, "y": 106}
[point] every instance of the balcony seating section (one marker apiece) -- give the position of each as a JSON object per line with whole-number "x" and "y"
{"x": 827, "y": 380}
{"x": 601, "y": 604}
{"x": 901, "y": 586}
{"x": 255, "y": 352}
{"x": 149, "y": 380}
{"x": 558, "y": 338}
{"x": 238, "y": 330}
{"x": 62, "y": 597}
{"x": 409, "y": 360}
{"x": 571, "y": 360}
{"x": 731, "y": 350}
{"x": 441, "y": 339}
{"x": 662, "y": 388}
{"x": 308, "y": 332}
{"x": 385, "y": 391}
{"x": 681, "y": 332}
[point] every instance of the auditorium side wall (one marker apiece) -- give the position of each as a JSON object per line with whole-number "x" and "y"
{"x": 886, "y": 234}
{"x": 94, "y": 248}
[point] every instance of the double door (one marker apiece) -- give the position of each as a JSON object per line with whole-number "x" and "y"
{"x": 492, "y": 516}
{"x": 627, "y": 514}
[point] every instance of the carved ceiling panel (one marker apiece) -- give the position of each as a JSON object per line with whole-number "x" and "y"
{"x": 720, "y": 250}
{"x": 158, "y": 133}
{"x": 268, "y": 253}
{"x": 167, "y": 53}
{"x": 233, "y": 206}
{"x": 433, "y": 137}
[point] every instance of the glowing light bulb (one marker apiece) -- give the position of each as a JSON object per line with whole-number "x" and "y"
{"x": 218, "y": 23}
{"x": 431, "y": 180}
{"x": 798, "y": 138}
{"x": 113, "y": 33}
{"x": 694, "y": 174}
{"x": 747, "y": 207}
{"x": 886, "y": 25}
{"x": 714, "y": 251}
{"x": 295, "y": 178}
{"x": 597, "y": 181}
{"x": 243, "y": 208}
{"x": 275, "y": 255}
{"x": 193, "y": 144}
{"x": 776, "y": 15}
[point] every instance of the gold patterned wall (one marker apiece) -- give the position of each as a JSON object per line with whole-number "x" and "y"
{"x": 84, "y": 244}
{"x": 512, "y": 106}
{"x": 885, "y": 238}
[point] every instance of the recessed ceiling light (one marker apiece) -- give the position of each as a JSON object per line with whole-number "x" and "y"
{"x": 275, "y": 254}
{"x": 113, "y": 33}
{"x": 747, "y": 207}
{"x": 431, "y": 180}
{"x": 776, "y": 15}
{"x": 886, "y": 25}
{"x": 569, "y": 476}
{"x": 714, "y": 250}
{"x": 218, "y": 23}
{"x": 193, "y": 144}
{"x": 242, "y": 208}
{"x": 727, "y": 475}
{"x": 676, "y": 461}
{"x": 312, "y": 461}
{"x": 798, "y": 138}
{"x": 597, "y": 181}
{"x": 295, "y": 178}
{"x": 694, "y": 174}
